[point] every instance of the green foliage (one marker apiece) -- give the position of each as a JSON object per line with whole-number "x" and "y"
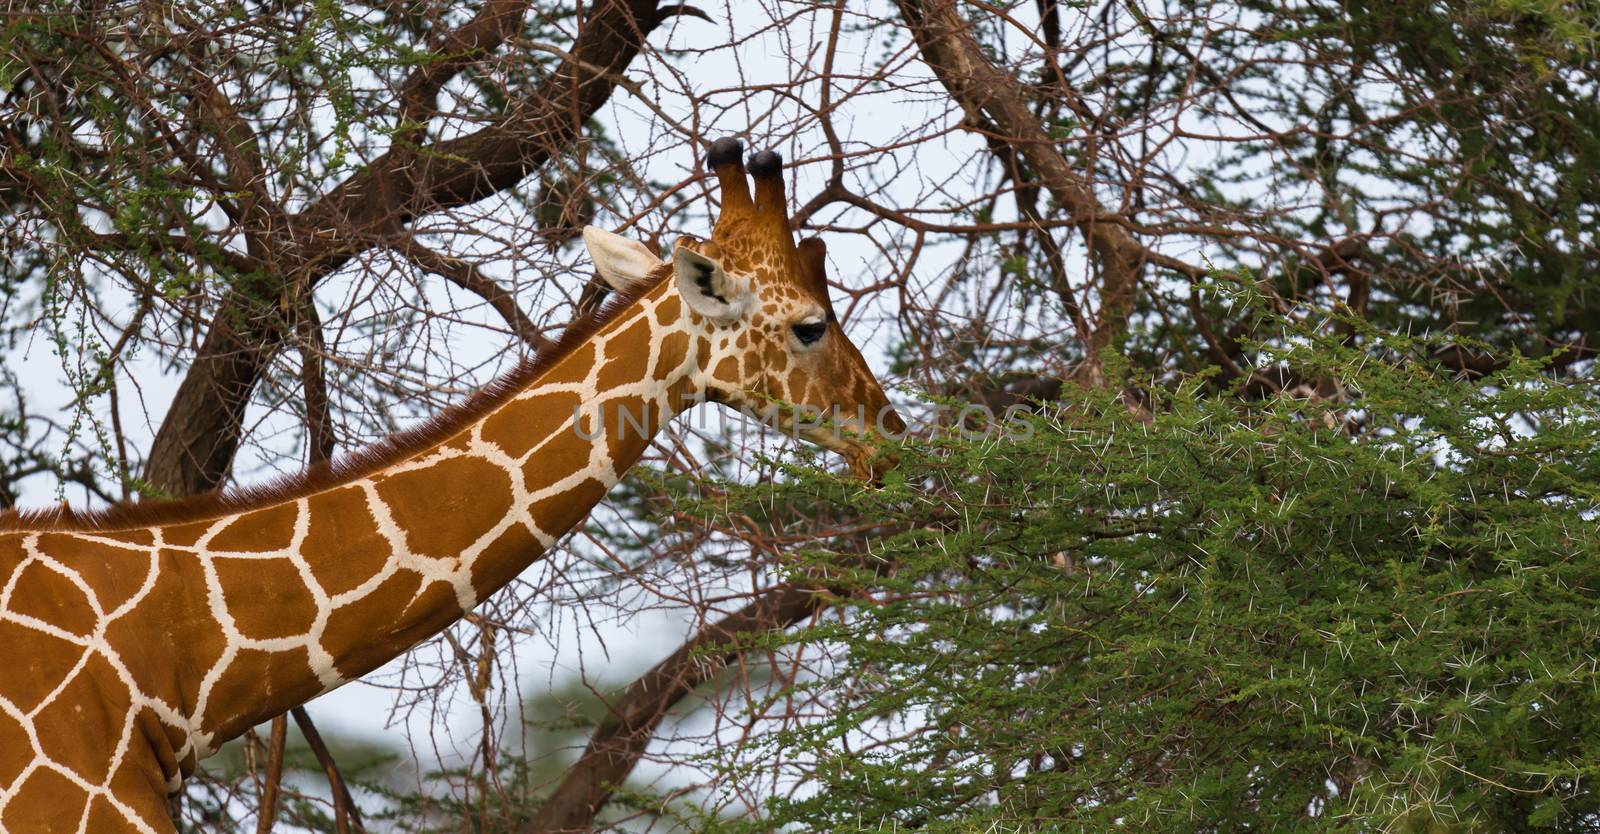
{"x": 1289, "y": 614}
{"x": 1456, "y": 143}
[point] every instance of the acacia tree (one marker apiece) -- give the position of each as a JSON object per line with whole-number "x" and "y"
{"x": 298, "y": 212}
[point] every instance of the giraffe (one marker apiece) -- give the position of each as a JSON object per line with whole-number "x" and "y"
{"x": 134, "y": 641}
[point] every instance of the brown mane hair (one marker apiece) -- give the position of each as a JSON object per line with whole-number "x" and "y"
{"x": 357, "y": 464}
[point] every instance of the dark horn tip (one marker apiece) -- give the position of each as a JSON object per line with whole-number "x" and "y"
{"x": 725, "y": 150}
{"x": 766, "y": 164}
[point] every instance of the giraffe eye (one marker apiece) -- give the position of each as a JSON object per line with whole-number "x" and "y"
{"x": 809, "y": 332}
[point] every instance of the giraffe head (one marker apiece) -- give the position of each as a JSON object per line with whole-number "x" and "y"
{"x": 767, "y": 340}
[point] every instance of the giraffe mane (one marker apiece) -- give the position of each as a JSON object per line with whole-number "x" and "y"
{"x": 351, "y": 466}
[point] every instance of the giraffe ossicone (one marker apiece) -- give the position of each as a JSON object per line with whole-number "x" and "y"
{"x": 135, "y": 640}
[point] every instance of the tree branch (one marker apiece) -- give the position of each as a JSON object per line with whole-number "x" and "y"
{"x": 346, "y": 816}
{"x": 620, "y": 740}
{"x": 467, "y": 276}
{"x": 400, "y": 185}
{"x": 485, "y": 32}
{"x": 314, "y": 384}
{"x": 272, "y": 781}
{"x": 990, "y": 95}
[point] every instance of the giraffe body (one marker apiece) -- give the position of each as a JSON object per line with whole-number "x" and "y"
{"x": 133, "y": 643}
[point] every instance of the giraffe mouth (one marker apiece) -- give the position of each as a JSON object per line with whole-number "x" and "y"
{"x": 868, "y": 469}
{"x": 859, "y": 444}
{"x": 859, "y": 450}
{"x": 871, "y": 464}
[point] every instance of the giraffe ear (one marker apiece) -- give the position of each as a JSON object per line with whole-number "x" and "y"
{"x": 707, "y": 288}
{"x": 622, "y": 263}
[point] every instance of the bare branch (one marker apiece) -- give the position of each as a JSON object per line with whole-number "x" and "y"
{"x": 485, "y": 32}
{"x": 272, "y": 780}
{"x": 346, "y": 816}
{"x": 467, "y": 276}
{"x": 632, "y": 719}
{"x": 989, "y": 94}
{"x": 314, "y": 384}
{"x": 194, "y": 447}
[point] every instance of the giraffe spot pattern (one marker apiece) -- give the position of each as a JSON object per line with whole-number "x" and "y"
{"x": 516, "y": 428}
{"x": 47, "y": 802}
{"x": 338, "y": 521}
{"x": 500, "y": 560}
{"x": 252, "y": 674}
{"x": 91, "y": 702}
{"x": 265, "y": 598}
{"x": 113, "y": 568}
{"x": 13, "y": 736}
{"x": 349, "y": 638}
{"x": 45, "y": 594}
{"x": 43, "y": 662}
{"x": 464, "y": 496}
{"x": 267, "y": 530}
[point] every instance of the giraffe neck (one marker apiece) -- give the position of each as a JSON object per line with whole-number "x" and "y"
{"x": 352, "y": 577}
{"x": 215, "y": 625}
